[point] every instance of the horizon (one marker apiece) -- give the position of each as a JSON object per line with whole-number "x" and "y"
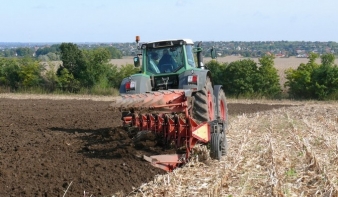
{"x": 107, "y": 42}
{"x": 102, "y": 21}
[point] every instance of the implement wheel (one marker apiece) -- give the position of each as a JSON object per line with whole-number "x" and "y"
{"x": 222, "y": 111}
{"x": 203, "y": 103}
{"x": 224, "y": 145}
{"x": 216, "y": 146}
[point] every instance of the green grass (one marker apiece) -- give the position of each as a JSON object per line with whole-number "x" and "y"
{"x": 82, "y": 91}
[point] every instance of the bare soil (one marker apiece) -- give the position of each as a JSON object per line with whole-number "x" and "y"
{"x": 47, "y": 145}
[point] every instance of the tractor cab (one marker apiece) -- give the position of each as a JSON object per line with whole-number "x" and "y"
{"x": 165, "y": 57}
{"x": 167, "y": 64}
{"x": 166, "y": 61}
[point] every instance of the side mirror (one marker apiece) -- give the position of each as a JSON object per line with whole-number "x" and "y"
{"x": 213, "y": 53}
{"x": 137, "y": 61}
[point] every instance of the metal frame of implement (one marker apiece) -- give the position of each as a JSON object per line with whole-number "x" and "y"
{"x": 182, "y": 131}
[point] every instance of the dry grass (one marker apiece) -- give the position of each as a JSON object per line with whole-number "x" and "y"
{"x": 285, "y": 152}
{"x": 55, "y": 97}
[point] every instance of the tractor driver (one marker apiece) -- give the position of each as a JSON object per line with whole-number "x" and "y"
{"x": 167, "y": 63}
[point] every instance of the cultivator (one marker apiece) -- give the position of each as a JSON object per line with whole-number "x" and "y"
{"x": 166, "y": 114}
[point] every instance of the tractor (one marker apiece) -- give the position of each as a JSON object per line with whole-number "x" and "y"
{"x": 173, "y": 96}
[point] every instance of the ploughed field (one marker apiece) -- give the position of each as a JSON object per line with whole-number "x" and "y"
{"x": 47, "y": 144}
{"x": 56, "y": 146}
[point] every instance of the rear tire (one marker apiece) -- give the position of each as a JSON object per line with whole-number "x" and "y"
{"x": 203, "y": 103}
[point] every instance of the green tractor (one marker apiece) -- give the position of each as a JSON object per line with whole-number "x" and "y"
{"x": 171, "y": 83}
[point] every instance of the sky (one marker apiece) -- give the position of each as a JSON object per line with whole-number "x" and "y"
{"x": 199, "y": 20}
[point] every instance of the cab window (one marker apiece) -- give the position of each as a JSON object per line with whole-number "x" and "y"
{"x": 165, "y": 60}
{"x": 190, "y": 55}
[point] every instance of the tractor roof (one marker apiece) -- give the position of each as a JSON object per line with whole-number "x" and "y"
{"x": 187, "y": 41}
{"x": 167, "y": 43}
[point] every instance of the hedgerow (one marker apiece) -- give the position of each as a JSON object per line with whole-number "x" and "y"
{"x": 245, "y": 78}
{"x": 314, "y": 81}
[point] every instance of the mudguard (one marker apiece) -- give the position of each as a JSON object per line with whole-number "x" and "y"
{"x": 217, "y": 88}
{"x": 202, "y": 76}
{"x": 142, "y": 84}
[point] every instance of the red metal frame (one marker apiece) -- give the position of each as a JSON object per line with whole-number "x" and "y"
{"x": 183, "y": 131}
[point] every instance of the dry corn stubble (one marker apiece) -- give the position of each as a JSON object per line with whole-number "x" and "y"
{"x": 283, "y": 152}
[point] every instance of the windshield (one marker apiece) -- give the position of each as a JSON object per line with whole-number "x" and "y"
{"x": 165, "y": 60}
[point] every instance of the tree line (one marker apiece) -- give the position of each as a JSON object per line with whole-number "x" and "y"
{"x": 85, "y": 71}
{"x": 89, "y": 71}
{"x": 314, "y": 81}
{"x": 247, "y": 79}
{"x": 51, "y": 53}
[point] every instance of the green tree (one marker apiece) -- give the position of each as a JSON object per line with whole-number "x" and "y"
{"x": 9, "y": 53}
{"x": 327, "y": 59}
{"x": 96, "y": 67}
{"x": 325, "y": 79}
{"x": 299, "y": 81}
{"x": 24, "y": 51}
{"x": 30, "y": 73}
{"x": 313, "y": 81}
{"x": 55, "y": 48}
{"x": 51, "y": 79}
{"x": 114, "y": 53}
{"x": 67, "y": 82}
{"x": 239, "y": 78}
{"x": 116, "y": 75}
{"x": 72, "y": 59}
{"x": 44, "y": 58}
{"x": 53, "y": 56}
{"x": 217, "y": 71}
{"x": 268, "y": 79}
{"x": 9, "y": 73}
